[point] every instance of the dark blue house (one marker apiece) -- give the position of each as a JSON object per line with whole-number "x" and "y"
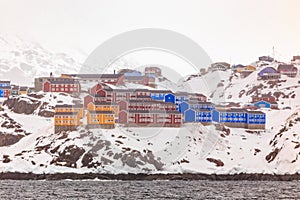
{"x": 195, "y": 105}
{"x": 256, "y": 120}
{"x": 195, "y": 115}
{"x": 4, "y": 89}
{"x": 240, "y": 118}
{"x": 159, "y": 95}
{"x": 170, "y": 98}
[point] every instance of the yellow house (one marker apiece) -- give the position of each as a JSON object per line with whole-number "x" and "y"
{"x": 66, "y": 121}
{"x": 246, "y": 68}
{"x": 104, "y": 106}
{"x": 23, "y": 90}
{"x": 70, "y": 108}
{"x": 100, "y": 119}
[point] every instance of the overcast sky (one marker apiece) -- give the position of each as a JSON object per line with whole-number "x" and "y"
{"x": 231, "y": 30}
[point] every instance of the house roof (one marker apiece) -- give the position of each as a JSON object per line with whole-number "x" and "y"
{"x": 100, "y": 112}
{"x": 135, "y": 78}
{"x": 149, "y": 102}
{"x": 95, "y": 76}
{"x": 268, "y": 70}
{"x": 254, "y": 112}
{"x": 161, "y": 91}
{"x": 4, "y": 87}
{"x": 63, "y": 81}
{"x": 23, "y": 88}
{"x": 286, "y": 67}
{"x": 65, "y": 113}
{"x": 97, "y": 103}
{"x": 69, "y": 106}
{"x": 5, "y": 82}
{"x": 155, "y": 111}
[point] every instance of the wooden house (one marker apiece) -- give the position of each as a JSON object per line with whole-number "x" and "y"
{"x": 113, "y": 79}
{"x": 159, "y": 95}
{"x": 5, "y": 89}
{"x": 256, "y": 120}
{"x": 266, "y": 59}
{"x": 268, "y": 73}
{"x": 150, "y": 118}
{"x": 141, "y": 80}
{"x": 70, "y": 86}
{"x": 198, "y": 116}
{"x": 150, "y": 105}
{"x": 104, "y": 106}
{"x": 66, "y": 121}
{"x": 100, "y": 119}
{"x": 219, "y": 66}
{"x": 23, "y": 90}
{"x": 196, "y": 105}
{"x": 64, "y": 108}
{"x": 153, "y": 71}
{"x": 288, "y": 70}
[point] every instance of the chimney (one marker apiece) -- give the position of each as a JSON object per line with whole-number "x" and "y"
{"x": 114, "y": 71}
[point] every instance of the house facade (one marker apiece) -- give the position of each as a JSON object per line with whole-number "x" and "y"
{"x": 66, "y": 121}
{"x": 150, "y": 118}
{"x": 153, "y": 72}
{"x": 198, "y": 116}
{"x": 141, "y": 80}
{"x": 5, "y": 89}
{"x": 67, "y": 108}
{"x": 219, "y": 66}
{"x": 100, "y": 119}
{"x": 288, "y": 70}
{"x": 268, "y": 73}
{"x": 114, "y": 79}
{"x": 70, "y": 86}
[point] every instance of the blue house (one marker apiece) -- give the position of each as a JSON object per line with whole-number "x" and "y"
{"x": 182, "y": 107}
{"x": 256, "y": 120}
{"x": 4, "y": 89}
{"x": 262, "y": 104}
{"x": 202, "y": 116}
{"x": 170, "y": 98}
{"x": 159, "y": 95}
{"x": 233, "y": 117}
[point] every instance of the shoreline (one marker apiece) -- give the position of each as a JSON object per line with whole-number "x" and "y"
{"x": 148, "y": 177}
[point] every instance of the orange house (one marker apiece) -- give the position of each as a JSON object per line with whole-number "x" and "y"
{"x": 66, "y": 121}
{"x": 71, "y": 108}
{"x": 104, "y": 106}
{"x": 100, "y": 119}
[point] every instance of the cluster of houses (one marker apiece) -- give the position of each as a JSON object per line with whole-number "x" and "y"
{"x": 104, "y": 107}
{"x": 7, "y": 89}
{"x": 267, "y": 73}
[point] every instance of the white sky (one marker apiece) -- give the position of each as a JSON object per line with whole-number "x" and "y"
{"x": 231, "y": 30}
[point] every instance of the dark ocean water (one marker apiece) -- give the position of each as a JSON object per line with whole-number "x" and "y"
{"x": 149, "y": 190}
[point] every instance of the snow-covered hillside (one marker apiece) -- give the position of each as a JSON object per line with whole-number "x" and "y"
{"x": 21, "y": 61}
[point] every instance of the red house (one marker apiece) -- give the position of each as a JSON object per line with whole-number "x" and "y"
{"x": 70, "y": 86}
{"x": 146, "y": 105}
{"x": 93, "y": 98}
{"x": 142, "y": 80}
{"x": 264, "y": 97}
{"x": 289, "y": 70}
{"x": 114, "y": 79}
{"x": 150, "y": 118}
{"x": 153, "y": 71}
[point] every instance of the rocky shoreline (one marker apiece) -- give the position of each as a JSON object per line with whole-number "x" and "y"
{"x": 148, "y": 177}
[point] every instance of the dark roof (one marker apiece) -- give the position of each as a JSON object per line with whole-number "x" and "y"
{"x": 161, "y": 91}
{"x": 66, "y": 113}
{"x": 104, "y": 103}
{"x": 69, "y": 106}
{"x": 23, "y": 88}
{"x": 100, "y": 112}
{"x": 286, "y": 67}
{"x": 134, "y": 78}
{"x": 155, "y": 111}
{"x": 254, "y": 112}
{"x": 5, "y": 82}
{"x": 231, "y": 110}
{"x": 143, "y": 96}
{"x": 200, "y": 110}
{"x": 95, "y": 76}
{"x": 4, "y": 87}
{"x": 64, "y": 81}
{"x": 199, "y": 102}
{"x": 149, "y": 102}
